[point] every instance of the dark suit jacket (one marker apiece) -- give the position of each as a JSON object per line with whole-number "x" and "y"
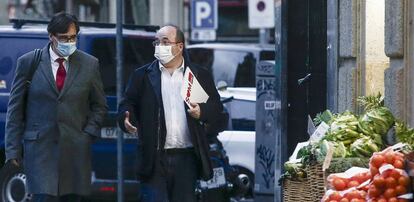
{"x": 143, "y": 100}
{"x": 55, "y": 127}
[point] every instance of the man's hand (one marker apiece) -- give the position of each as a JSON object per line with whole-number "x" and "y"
{"x": 15, "y": 162}
{"x": 194, "y": 111}
{"x": 128, "y": 126}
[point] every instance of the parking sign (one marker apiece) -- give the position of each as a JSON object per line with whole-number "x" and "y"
{"x": 203, "y": 14}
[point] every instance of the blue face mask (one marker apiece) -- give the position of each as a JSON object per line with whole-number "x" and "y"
{"x": 66, "y": 49}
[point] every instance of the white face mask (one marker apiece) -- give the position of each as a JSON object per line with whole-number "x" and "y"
{"x": 164, "y": 54}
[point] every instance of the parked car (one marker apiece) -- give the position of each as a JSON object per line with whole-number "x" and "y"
{"x": 99, "y": 41}
{"x": 233, "y": 67}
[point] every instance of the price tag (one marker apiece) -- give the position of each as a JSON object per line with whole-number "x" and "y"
{"x": 319, "y": 132}
{"x": 398, "y": 146}
{"x": 328, "y": 158}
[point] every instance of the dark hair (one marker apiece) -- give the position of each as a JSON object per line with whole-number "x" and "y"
{"x": 60, "y": 23}
{"x": 179, "y": 35}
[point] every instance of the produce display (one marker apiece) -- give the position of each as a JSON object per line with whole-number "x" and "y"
{"x": 390, "y": 181}
{"x": 355, "y": 139}
{"x": 349, "y": 179}
{"x": 351, "y": 195}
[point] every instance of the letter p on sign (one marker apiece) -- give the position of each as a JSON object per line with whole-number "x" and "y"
{"x": 204, "y": 14}
{"x": 203, "y": 11}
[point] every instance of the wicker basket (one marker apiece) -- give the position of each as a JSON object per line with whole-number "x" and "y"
{"x": 316, "y": 181}
{"x": 317, "y": 177}
{"x": 296, "y": 191}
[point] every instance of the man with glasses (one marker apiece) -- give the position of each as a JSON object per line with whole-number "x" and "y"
{"x": 173, "y": 146}
{"x": 53, "y": 113}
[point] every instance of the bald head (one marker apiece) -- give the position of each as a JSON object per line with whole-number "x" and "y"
{"x": 172, "y": 33}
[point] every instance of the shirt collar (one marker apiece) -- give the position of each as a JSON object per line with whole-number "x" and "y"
{"x": 181, "y": 68}
{"x": 54, "y": 56}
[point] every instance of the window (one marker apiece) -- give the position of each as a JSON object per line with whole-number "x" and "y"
{"x": 137, "y": 52}
{"x": 236, "y": 68}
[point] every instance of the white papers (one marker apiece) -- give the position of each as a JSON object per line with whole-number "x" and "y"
{"x": 191, "y": 90}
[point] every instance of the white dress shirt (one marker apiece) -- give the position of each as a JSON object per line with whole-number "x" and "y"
{"x": 178, "y": 134}
{"x": 55, "y": 64}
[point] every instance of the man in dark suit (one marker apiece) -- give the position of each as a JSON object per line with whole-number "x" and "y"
{"x": 173, "y": 147}
{"x": 57, "y": 116}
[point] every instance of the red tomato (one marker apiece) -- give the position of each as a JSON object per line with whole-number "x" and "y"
{"x": 373, "y": 192}
{"x": 386, "y": 173}
{"x": 356, "y": 200}
{"x": 393, "y": 199}
{"x": 399, "y": 154}
{"x": 400, "y": 190}
{"x": 377, "y": 160}
{"x": 398, "y": 164}
{"x": 358, "y": 177}
{"x": 344, "y": 200}
{"x": 402, "y": 200}
{"x": 339, "y": 184}
{"x": 389, "y": 193}
{"x": 389, "y": 158}
{"x": 382, "y": 200}
{"x": 395, "y": 174}
{"x": 353, "y": 183}
{"x": 390, "y": 182}
{"x": 352, "y": 195}
{"x": 363, "y": 194}
{"x": 404, "y": 181}
{"x": 335, "y": 196}
{"x": 367, "y": 176}
{"x": 373, "y": 170}
{"x": 379, "y": 182}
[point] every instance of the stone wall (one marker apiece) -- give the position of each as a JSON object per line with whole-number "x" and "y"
{"x": 395, "y": 87}
{"x": 348, "y": 54}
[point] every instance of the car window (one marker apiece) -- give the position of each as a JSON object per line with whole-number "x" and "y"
{"x": 242, "y": 120}
{"x": 267, "y": 55}
{"x": 236, "y": 68}
{"x": 137, "y": 52}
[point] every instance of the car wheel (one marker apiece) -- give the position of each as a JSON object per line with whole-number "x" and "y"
{"x": 249, "y": 193}
{"x": 13, "y": 184}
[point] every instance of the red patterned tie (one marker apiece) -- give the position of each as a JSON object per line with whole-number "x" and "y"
{"x": 61, "y": 74}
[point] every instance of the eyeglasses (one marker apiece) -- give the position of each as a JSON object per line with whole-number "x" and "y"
{"x": 66, "y": 38}
{"x": 164, "y": 43}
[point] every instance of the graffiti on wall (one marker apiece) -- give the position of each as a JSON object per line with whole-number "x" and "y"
{"x": 266, "y": 160}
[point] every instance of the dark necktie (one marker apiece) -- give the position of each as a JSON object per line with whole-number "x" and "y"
{"x": 61, "y": 74}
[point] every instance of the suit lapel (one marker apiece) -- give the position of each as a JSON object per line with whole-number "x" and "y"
{"x": 73, "y": 70}
{"x": 154, "y": 75}
{"x": 46, "y": 68}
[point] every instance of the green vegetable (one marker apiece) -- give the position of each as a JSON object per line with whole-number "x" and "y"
{"x": 295, "y": 171}
{"x": 325, "y": 116}
{"x": 377, "y": 118}
{"x": 364, "y": 147}
{"x": 404, "y": 134}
